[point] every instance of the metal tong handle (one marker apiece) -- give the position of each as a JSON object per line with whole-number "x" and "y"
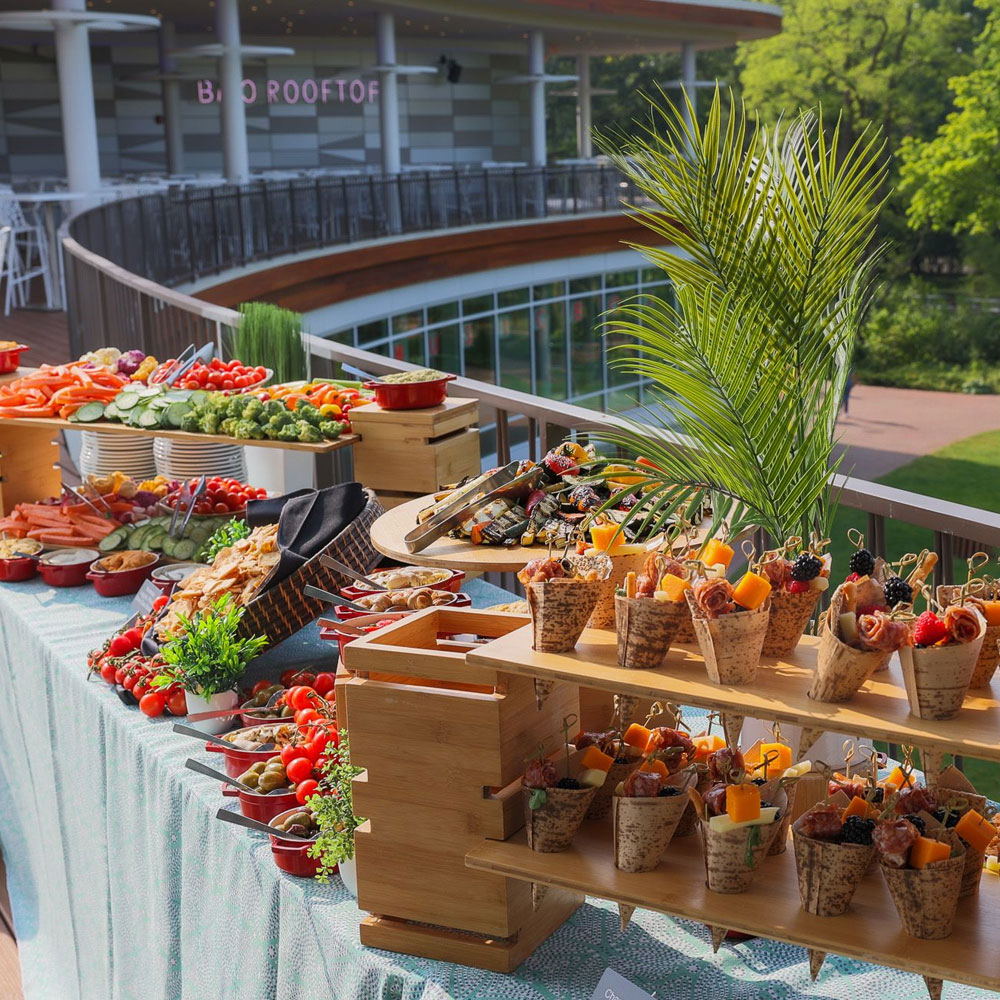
{"x": 351, "y": 370}
{"x": 238, "y": 819}
{"x": 194, "y": 765}
{"x": 324, "y": 595}
{"x": 340, "y": 567}
{"x": 70, "y": 492}
{"x": 179, "y": 727}
{"x": 194, "y": 494}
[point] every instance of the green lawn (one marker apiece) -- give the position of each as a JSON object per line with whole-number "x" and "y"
{"x": 967, "y": 472}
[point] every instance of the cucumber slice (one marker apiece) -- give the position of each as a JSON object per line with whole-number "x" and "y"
{"x": 175, "y": 413}
{"x": 148, "y": 418}
{"x": 126, "y": 400}
{"x": 113, "y": 541}
{"x": 135, "y": 541}
{"x": 167, "y": 546}
{"x": 148, "y": 391}
{"x": 198, "y": 397}
{"x": 184, "y": 548}
{"x": 154, "y": 539}
{"x": 89, "y": 412}
{"x": 111, "y": 412}
{"x": 177, "y": 395}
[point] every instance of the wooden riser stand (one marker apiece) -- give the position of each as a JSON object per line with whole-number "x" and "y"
{"x": 29, "y": 464}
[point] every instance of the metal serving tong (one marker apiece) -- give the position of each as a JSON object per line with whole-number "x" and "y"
{"x": 191, "y": 501}
{"x": 346, "y": 570}
{"x": 324, "y": 595}
{"x": 74, "y": 495}
{"x": 186, "y": 360}
{"x": 478, "y": 494}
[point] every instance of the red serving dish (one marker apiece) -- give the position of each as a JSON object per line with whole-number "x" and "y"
{"x": 410, "y": 395}
{"x": 291, "y": 855}
{"x": 67, "y": 567}
{"x": 10, "y": 360}
{"x": 17, "y": 569}
{"x": 362, "y": 625}
{"x": 344, "y": 613}
{"x": 120, "y": 582}
{"x": 166, "y": 585}
{"x": 236, "y": 760}
{"x": 262, "y": 808}
{"x": 452, "y": 584}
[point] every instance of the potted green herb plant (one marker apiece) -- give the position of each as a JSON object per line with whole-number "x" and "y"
{"x": 334, "y": 811}
{"x": 208, "y": 658}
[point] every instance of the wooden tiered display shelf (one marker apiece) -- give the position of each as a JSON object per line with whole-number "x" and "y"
{"x": 870, "y": 930}
{"x": 443, "y": 745}
{"x": 403, "y": 453}
{"x": 29, "y": 462}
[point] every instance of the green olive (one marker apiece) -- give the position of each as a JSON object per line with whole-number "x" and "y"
{"x": 287, "y": 711}
{"x": 248, "y": 778}
{"x": 270, "y": 780}
{"x": 257, "y": 768}
{"x": 275, "y": 769}
{"x": 302, "y": 818}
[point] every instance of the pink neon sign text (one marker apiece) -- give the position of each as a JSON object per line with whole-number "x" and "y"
{"x": 308, "y": 91}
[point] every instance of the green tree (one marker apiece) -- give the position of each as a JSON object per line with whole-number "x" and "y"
{"x": 951, "y": 179}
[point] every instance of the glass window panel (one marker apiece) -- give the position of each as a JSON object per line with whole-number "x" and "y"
{"x": 553, "y": 290}
{"x": 342, "y": 336}
{"x": 445, "y": 351}
{"x": 622, "y": 400}
{"x": 550, "y": 350}
{"x": 405, "y": 322}
{"x": 587, "y": 354}
{"x": 480, "y": 304}
{"x": 370, "y": 332}
{"x": 410, "y": 349}
{"x": 512, "y": 297}
{"x": 591, "y": 283}
{"x": 652, "y": 274}
{"x": 514, "y": 331}
{"x": 442, "y": 312}
{"x": 477, "y": 337}
{"x": 618, "y": 279}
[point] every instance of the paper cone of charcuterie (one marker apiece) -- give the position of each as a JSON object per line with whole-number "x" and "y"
{"x": 730, "y": 644}
{"x": 603, "y": 613}
{"x": 828, "y": 872}
{"x": 689, "y": 818}
{"x": 734, "y": 857}
{"x": 988, "y": 659}
{"x": 936, "y": 678}
{"x": 643, "y": 827}
{"x": 560, "y": 607}
{"x": 684, "y": 636}
{"x": 935, "y": 987}
{"x": 780, "y": 843}
{"x": 788, "y": 618}
{"x": 625, "y": 912}
{"x": 553, "y": 825}
{"x": 816, "y": 960}
{"x": 718, "y": 936}
{"x": 645, "y": 628}
{"x": 841, "y": 669}
{"x": 926, "y": 898}
{"x": 600, "y": 805}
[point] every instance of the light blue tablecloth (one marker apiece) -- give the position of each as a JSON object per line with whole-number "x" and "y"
{"x": 125, "y": 887}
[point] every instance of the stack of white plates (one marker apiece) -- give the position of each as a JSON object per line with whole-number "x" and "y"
{"x": 104, "y": 453}
{"x": 178, "y": 459}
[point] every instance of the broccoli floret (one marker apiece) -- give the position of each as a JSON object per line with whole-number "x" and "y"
{"x": 275, "y": 407}
{"x": 210, "y": 423}
{"x": 237, "y": 406}
{"x": 331, "y": 429}
{"x": 218, "y": 403}
{"x": 290, "y": 432}
{"x": 308, "y": 433}
{"x": 254, "y": 410}
{"x": 228, "y": 426}
{"x": 243, "y": 429}
{"x": 309, "y": 413}
{"x": 191, "y": 422}
{"x": 280, "y": 420}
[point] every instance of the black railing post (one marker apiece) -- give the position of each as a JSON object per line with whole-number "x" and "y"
{"x": 192, "y": 271}
{"x": 458, "y": 197}
{"x": 216, "y": 234}
{"x": 294, "y": 220}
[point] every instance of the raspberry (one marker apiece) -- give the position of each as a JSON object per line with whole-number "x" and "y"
{"x": 852, "y": 578}
{"x": 928, "y": 629}
{"x": 797, "y": 586}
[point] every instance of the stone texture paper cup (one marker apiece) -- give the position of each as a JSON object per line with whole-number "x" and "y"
{"x": 553, "y": 826}
{"x": 828, "y": 873}
{"x": 730, "y": 644}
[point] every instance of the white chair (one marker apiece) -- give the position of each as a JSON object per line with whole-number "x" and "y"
{"x": 27, "y": 253}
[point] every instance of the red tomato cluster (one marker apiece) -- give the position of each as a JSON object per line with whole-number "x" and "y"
{"x": 221, "y": 375}
{"x": 316, "y": 719}
{"x": 221, "y": 496}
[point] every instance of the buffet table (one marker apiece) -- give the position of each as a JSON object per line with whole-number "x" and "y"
{"x": 123, "y": 883}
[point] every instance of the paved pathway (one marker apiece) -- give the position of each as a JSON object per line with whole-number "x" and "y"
{"x": 886, "y": 428}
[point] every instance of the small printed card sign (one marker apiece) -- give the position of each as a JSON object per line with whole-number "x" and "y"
{"x": 142, "y": 603}
{"x": 615, "y": 987}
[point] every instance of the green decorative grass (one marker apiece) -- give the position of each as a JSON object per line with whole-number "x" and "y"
{"x": 966, "y": 472}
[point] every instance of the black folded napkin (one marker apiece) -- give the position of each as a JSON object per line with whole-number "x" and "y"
{"x": 308, "y": 520}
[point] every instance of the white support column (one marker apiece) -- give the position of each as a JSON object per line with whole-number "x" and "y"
{"x": 171, "y": 94}
{"x": 584, "y": 123}
{"x": 76, "y": 100}
{"x": 388, "y": 95}
{"x": 536, "y": 69}
{"x": 689, "y": 78}
{"x": 236, "y": 157}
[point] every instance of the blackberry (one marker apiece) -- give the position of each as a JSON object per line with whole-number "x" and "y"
{"x": 667, "y": 790}
{"x": 568, "y": 783}
{"x": 759, "y": 781}
{"x": 806, "y": 567}
{"x": 917, "y": 821}
{"x": 897, "y": 591}
{"x": 863, "y": 563}
{"x": 879, "y": 796}
{"x": 621, "y": 760}
{"x": 857, "y": 831}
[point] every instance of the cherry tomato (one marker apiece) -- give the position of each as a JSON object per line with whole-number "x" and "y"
{"x": 299, "y": 769}
{"x": 142, "y": 687}
{"x": 300, "y": 697}
{"x": 293, "y": 751}
{"x": 108, "y": 673}
{"x": 160, "y": 602}
{"x": 152, "y": 704}
{"x": 120, "y": 674}
{"x": 304, "y": 677}
{"x": 305, "y": 790}
{"x": 286, "y": 677}
{"x": 177, "y": 702}
{"x": 120, "y": 645}
{"x": 307, "y": 715}
{"x": 227, "y": 383}
{"x": 324, "y": 683}
{"x": 130, "y": 681}
{"x": 261, "y": 685}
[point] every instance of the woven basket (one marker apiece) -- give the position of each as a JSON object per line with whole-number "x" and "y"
{"x": 281, "y": 611}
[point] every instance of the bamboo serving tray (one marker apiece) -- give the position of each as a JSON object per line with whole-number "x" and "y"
{"x": 110, "y": 427}
{"x": 870, "y": 930}
{"x": 878, "y": 711}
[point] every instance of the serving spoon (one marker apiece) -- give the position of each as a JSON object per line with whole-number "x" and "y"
{"x": 238, "y": 819}
{"x": 210, "y": 772}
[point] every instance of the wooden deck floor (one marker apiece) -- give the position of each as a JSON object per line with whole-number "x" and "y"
{"x": 10, "y": 970}
{"x": 46, "y": 333}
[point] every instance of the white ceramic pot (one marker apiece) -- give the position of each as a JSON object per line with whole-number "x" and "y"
{"x": 349, "y": 875}
{"x": 225, "y": 699}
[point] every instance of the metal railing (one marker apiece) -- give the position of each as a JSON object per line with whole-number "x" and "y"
{"x": 180, "y": 235}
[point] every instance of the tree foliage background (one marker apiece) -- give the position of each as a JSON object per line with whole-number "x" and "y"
{"x": 928, "y": 73}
